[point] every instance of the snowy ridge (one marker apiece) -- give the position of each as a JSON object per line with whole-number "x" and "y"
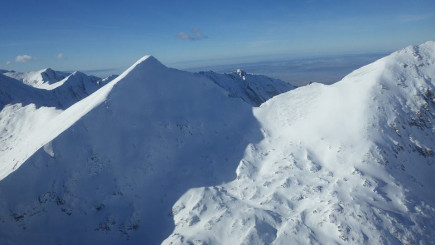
{"x": 31, "y": 117}
{"x": 13, "y": 91}
{"x": 348, "y": 163}
{"x": 43, "y": 79}
{"x": 76, "y": 87}
{"x": 103, "y": 175}
{"x": 156, "y": 147}
{"x": 253, "y": 89}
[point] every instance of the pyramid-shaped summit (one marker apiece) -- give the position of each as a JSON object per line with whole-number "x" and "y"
{"x": 129, "y": 145}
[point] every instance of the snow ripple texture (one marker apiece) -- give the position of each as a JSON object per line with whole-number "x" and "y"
{"x": 349, "y": 163}
{"x": 160, "y": 155}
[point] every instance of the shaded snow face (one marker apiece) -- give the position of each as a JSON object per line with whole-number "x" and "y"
{"x": 348, "y": 163}
{"x": 30, "y": 117}
{"x": 253, "y": 89}
{"x": 114, "y": 175}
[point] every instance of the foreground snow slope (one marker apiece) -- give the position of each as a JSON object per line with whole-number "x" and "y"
{"x": 113, "y": 176}
{"x": 253, "y": 89}
{"x": 348, "y": 163}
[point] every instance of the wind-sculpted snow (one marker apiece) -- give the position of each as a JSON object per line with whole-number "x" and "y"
{"x": 112, "y": 177}
{"x": 348, "y": 163}
{"x": 159, "y": 154}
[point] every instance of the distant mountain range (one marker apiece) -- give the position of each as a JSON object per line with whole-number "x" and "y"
{"x": 158, "y": 155}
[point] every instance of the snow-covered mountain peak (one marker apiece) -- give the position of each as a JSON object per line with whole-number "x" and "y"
{"x": 75, "y": 87}
{"x": 106, "y": 80}
{"x": 78, "y": 73}
{"x": 352, "y": 162}
{"x": 253, "y": 89}
{"x": 43, "y": 79}
{"x": 145, "y": 66}
{"x": 142, "y": 127}
{"x": 146, "y": 63}
{"x": 349, "y": 163}
{"x": 241, "y": 73}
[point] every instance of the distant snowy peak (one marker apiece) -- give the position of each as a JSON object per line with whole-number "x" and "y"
{"x": 106, "y": 80}
{"x": 43, "y": 79}
{"x": 76, "y": 87}
{"x": 51, "y": 111}
{"x": 13, "y": 91}
{"x": 241, "y": 73}
{"x": 47, "y": 90}
{"x": 26, "y": 111}
{"x": 253, "y": 89}
{"x": 166, "y": 130}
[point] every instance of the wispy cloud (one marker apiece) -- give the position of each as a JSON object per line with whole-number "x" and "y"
{"x": 24, "y": 58}
{"x": 8, "y": 62}
{"x": 195, "y": 35}
{"x": 60, "y": 56}
{"x": 416, "y": 17}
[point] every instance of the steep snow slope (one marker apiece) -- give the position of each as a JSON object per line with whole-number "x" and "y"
{"x": 13, "y": 91}
{"x": 254, "y": 89}
{"x": 27, "y": 112}
{"x": 76, "y": 87}
{"x": 44, "y": 79}
{"x": 113, "y": 176}
{"x": 348, "y": 163}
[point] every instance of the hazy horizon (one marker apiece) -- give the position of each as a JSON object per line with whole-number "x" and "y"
{"x": 105, "y": 36}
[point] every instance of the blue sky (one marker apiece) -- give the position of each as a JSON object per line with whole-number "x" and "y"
{"x": 111, "y": 35}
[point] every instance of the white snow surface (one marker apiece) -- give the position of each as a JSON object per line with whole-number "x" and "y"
{"x": 43, "y": 79}
{"x": 348, "y": 163}
{"x": 31, "y": 117}
{"x": 113, "y": 176}
{"x": 159, "y": 154}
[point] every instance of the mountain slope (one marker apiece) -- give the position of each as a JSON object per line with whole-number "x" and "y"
{"x": 348, "y": 163}
{"x": 43, "y": 79}
{"x": 27, "y": 113}
{"x": 253, "y": 89}
{"x": 75, "y": 87}
{"x": 113, "y": 176}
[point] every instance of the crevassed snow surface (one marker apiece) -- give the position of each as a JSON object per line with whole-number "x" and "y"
{"x": 346, "y": 163}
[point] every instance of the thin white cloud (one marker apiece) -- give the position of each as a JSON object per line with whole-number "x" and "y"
{"x": 8, "y": 62}
{"x": 24, "y": 58}
{"x": 183, "y": 35}
{"x": 195, "y": 35}
{"x": 416, "y": 17}
{"x": 60, "y": 56}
